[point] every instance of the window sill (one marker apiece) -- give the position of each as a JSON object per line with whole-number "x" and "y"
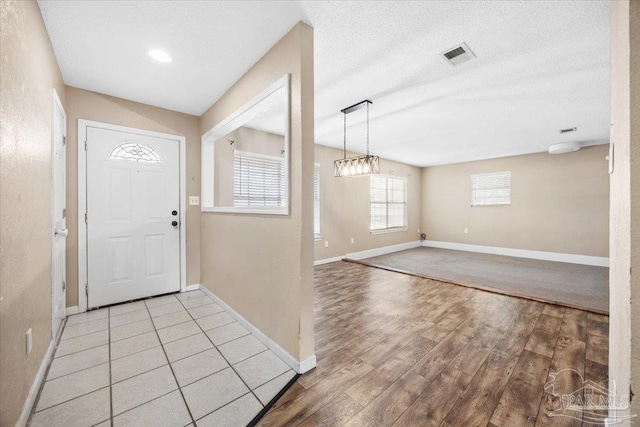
{"x": 389, "y": 230}
{"x": 317, "y": 237}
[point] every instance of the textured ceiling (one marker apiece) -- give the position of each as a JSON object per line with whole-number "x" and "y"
{"x": 540, "y": 67}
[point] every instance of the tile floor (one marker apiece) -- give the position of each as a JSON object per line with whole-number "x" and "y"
{"x": 175, "y": 360}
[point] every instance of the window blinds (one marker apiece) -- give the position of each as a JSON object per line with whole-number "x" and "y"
{"x": 316, "y": 200}
{"x": 489, "y": 189}
{"x": 258, "y": 180}
{"x": 388, "y": 202}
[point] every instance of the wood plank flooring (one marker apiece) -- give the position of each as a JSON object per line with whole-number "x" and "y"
{"x": 400, "y": 350}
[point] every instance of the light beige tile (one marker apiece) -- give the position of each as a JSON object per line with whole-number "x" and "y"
{"x": 131, "y": 330}
{"x": 268, "y": 391}
{"x": 198, "y": 366}
{"x": 104, "y": 424}
{"x": 88, "y": 316}
{"x": 182, "y": 296}
{"x": 134, "y": 344}
{"x": 73, "y": 385}
{"x": 157, "y": 301}
{"x": 83, "y": 411}
{"x": 84, "y": 342}
{"x": 78, "y": 361}
{"x": 176, "y": 332}
{"x": 205, "y": 310}
{"x": 185, "y": 347}
{"x": 213, "y": 321}
{"x": 171, "y": 319}
{"x": 238, "y": 413}
{"x": 197, "y": 302}
{"x": 142, "y": 388}
{"x": 226, "y": 333}
{"x": 241, "y": 348}
{"x": 130, "y": 317}
{"x": 212, "y": 392}
{"x": 126, "y": 308}
{"x": 84, "y": 328}
{"x": 161, "y": 310}
{"x": 260, "y": 368}
{"x": 166, "y": 411}
{"x": 129, "y": 366}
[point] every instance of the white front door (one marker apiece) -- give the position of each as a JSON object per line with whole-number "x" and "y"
{"x": 59, "y": 222}
{"x": 133, "y": 216}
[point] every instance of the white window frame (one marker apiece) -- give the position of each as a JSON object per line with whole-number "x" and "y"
{"x": 240, "y": 117}
{"x": 316, "y": 202}
{"x": 257, "y": 156}
{"x": 387, "y": 203}
{"x": 476, "y": 203}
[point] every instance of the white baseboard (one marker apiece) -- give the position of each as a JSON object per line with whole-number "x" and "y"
{"x": 327, "y": 260}
{"x": 521, "y": 253}
{"x": 307, "y": 364}
{"x": 383, "y": 250}
{"x": 299, "y": 367}
{"x": 35, "y": 387}
{"x": 70, "y": 311}
{"x": 192, "y": 287}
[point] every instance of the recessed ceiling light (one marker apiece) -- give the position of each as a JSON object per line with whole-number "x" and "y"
{"x": 159, "y": 55}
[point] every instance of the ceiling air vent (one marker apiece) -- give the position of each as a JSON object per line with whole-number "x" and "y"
{"x": 458, "y": 55}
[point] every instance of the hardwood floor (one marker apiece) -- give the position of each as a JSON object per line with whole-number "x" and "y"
{"x": 398, "y": 350}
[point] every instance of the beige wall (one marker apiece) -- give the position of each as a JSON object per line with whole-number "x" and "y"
{"x": 345, "y": 207}
{"x": 624, "y": 273}
{"x": 28, "y": 74}
{"x": 559, "y": 203}
{"x": 262, "y": 265}
{"x": 634, "y": 41}
{"x": 83, "y": 104}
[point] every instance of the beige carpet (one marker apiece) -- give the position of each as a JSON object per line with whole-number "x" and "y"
{"x": 574, "y": 285}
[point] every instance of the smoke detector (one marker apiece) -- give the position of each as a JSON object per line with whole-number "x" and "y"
{"x": 458, "y": 55}
{"x": 564, "y": 147}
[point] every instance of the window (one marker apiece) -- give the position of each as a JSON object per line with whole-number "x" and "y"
{"x": 490, "y": 189}
{"x": 133, "y": 152}
{"x": 316, "y": 200}
{"x": 258, "y": 180}
{"x": 388, "y": 203}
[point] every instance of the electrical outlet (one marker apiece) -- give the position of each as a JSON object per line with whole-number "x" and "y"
{"x": 353, "y": 240}
{"x": 466, "y": 231}
{"x": 29, "y": 340}
{"x": 326, "y": 243}
{"x": 194, "y": 200}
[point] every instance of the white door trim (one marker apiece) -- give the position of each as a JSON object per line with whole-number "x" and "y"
{"x": 56, "y": 103}
{"x": 82, "y": 201}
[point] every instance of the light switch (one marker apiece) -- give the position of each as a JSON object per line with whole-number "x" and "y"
{"x": 326, "y": 244}
{"x": 194, "y": 200}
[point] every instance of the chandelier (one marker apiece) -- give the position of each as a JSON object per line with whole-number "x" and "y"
{"x": 359, "y": 165}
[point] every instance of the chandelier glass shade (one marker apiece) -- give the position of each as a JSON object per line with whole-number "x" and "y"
{"x": 359, "y": 165}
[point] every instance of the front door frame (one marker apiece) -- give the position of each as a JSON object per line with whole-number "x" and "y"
{"x": 83, "y": 125}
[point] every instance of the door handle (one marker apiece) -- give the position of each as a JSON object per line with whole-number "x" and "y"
{"x": 62, "y": 232}
{"x": 174, "y": 223}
